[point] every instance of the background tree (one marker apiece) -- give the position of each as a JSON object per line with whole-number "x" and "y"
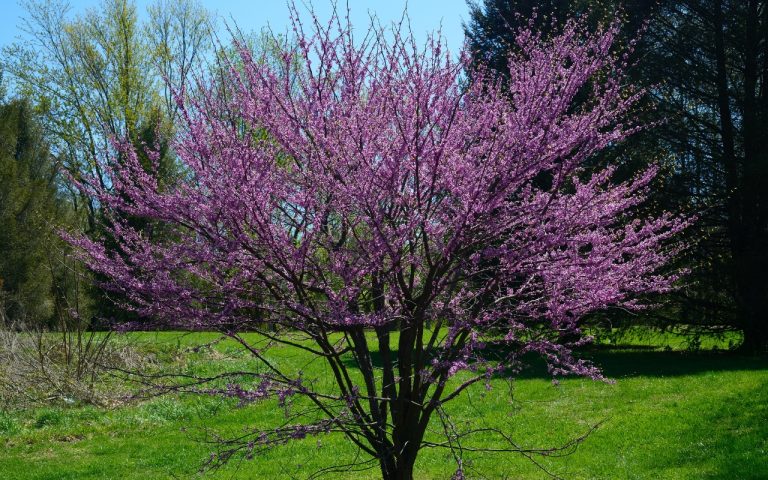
{"x": 38, "y": 282}
{"x": 27, "y": 203}
{"x": 179, "y": 36}
{"x": 103, "y": 76}
{"x": 709, "y": 62}
{"x": 3, "y": 87}
{"x": 383, "y": 186}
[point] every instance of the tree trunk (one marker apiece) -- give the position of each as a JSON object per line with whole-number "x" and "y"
{"x": 756, "y": 328}
{"x": 400, "y": 463}
{"x": 746, "y": 180}
{"x": 398, "y": 467}
{"x": 387, "y": 465}
{"x": 752, "y": 262}
{"x": 405, "y": 471}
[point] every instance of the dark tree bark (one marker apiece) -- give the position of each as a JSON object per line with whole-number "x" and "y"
{"x": 751, "y": 258}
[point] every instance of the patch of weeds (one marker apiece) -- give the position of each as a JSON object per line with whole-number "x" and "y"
{"x": 49, "y": 417}
{"x": 89, "y": 414}
{"x": 8, "y": 424}
{"x": 166, "y": 410}
{"x": 208, "y": 407}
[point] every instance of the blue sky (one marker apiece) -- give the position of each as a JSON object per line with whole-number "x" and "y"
{"x": 426, "y": 15}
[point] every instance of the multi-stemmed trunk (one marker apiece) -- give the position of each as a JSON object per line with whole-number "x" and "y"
{"x": 397, "y": 455}
{"x": 391, "y": 470}
{"x": 398, "y": 464}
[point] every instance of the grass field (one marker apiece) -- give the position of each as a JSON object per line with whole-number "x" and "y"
{"x": 671, "y": 414}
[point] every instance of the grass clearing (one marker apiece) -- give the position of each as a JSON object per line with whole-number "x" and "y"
{"x": 671, "y": 414}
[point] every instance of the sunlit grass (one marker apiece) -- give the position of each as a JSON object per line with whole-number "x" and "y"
{"x": 671, "y": 414}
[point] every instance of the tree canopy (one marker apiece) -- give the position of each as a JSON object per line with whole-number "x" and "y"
{"x": 362, "y": 198}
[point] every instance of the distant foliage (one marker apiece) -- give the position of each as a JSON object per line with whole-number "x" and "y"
{"x": 29, "y": 207}
{"x": 102, "y": 74}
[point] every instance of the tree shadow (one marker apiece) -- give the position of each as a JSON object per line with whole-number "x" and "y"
{"x": 625, "y": 361}
{"x": 622, "y": 363}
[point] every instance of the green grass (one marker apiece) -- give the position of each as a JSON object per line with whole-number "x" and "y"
{"x": 670, "y": 415}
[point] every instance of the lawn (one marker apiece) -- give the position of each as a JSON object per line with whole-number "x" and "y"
{"x": 671, "y": 414}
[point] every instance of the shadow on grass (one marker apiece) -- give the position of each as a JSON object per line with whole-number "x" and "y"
{"x": 633, "y": 361}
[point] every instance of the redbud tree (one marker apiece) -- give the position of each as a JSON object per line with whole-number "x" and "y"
{"x": 417, "y": 229}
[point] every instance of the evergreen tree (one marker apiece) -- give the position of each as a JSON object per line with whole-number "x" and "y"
{"x": 709, "y": 60}
{"x": 28, "y": 210}
{"x": 493, "y": 24}
{"x": 107, "y": 75}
